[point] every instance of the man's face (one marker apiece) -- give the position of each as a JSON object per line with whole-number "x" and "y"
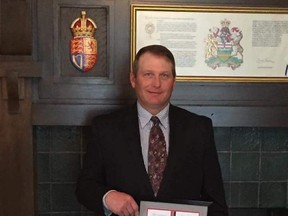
{"x": 154, "y": 82}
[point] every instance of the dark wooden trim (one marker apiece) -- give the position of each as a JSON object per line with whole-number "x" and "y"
{"x": 24, "y": 69}
{"x": 222, "y": 116}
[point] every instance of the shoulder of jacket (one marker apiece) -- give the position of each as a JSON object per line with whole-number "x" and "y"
{"x": 178, "y": 112}
{"x": 118, "y": 115}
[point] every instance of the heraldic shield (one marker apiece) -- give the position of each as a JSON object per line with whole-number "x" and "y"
{"x": 83, "y": 47}
{"x": 223, "y": 46}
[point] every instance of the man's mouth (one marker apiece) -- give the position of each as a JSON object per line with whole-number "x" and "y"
{"x": 153, "y": 92}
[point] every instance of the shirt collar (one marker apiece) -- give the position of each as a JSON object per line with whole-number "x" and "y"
{"x": 145, "y": 116}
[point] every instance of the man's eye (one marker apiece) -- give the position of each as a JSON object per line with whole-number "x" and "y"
{"x": 165, "y": 76}
{"x": 147, "y": 74}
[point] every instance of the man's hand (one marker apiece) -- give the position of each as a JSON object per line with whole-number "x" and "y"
{"x": 121, "y": 204}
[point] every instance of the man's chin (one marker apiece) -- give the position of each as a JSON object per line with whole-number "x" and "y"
{"x": 157, "y": 105}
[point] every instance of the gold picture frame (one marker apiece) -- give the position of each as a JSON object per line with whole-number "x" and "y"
{"x": 214, "y": 43}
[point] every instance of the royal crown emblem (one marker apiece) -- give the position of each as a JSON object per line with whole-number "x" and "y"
{"x": 83, "y": 46}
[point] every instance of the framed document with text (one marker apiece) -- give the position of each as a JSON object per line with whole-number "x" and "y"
{"x": 210, "y": 43}
{"x": 194, "y": 208}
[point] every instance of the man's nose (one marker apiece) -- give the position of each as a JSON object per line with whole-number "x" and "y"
{"x": 157, "y": 81}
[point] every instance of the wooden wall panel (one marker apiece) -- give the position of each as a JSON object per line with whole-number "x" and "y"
{"x": 107, "y": 85}
{"x": 15, "y": 27}
{"x": 60, "y": 77}
{"x": 16, "y": 154}
{"x": 99, "y": 15}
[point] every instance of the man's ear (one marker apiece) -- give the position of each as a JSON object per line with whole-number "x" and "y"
{"x": 174, "y": 83}
{"x": 132, "y": 79}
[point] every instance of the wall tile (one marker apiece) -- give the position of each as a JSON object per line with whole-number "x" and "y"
{"x": 245, "y": 167}
{"x": 43, "y": 197}
{"x": 63, "y": 198}
{"x": 222, "y": 138}
{"x": 42, "y": 138}
{"x": 274, "y": 139}
{"x": 65, "y": 167}
{"x": 248, "y": 212}
{"x": 66, "y": 138}
{"x": 274, "y": 166}
{"x": 227, "y": 189}
{"x": 245, "y": 139}
{"x": 244, "y": 195}
{"x": 43, "y": 167}
{"x": 224, "y": 160}
{"x": 273, "y": 194}
{"x": 86, "y": 136}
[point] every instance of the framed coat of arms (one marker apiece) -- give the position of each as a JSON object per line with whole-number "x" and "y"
{"x": 213, "y": 43}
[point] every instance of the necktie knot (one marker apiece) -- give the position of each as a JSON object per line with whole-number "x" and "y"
{"x": 155, "y": 120}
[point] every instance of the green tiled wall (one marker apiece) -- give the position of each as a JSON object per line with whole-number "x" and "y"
{"x": 254, "y": 164}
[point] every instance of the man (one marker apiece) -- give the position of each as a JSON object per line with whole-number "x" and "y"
{"x": 115, "y": 176}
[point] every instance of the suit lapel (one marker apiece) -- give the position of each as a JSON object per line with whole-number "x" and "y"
{"x": 176, "y": 129}
{"x": 134, "y": 148}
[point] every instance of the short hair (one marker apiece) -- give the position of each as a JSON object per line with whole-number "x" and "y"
{"x": 157, "y": 50}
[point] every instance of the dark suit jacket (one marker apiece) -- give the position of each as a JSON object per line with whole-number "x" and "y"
{"x": 114, "y": 161}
